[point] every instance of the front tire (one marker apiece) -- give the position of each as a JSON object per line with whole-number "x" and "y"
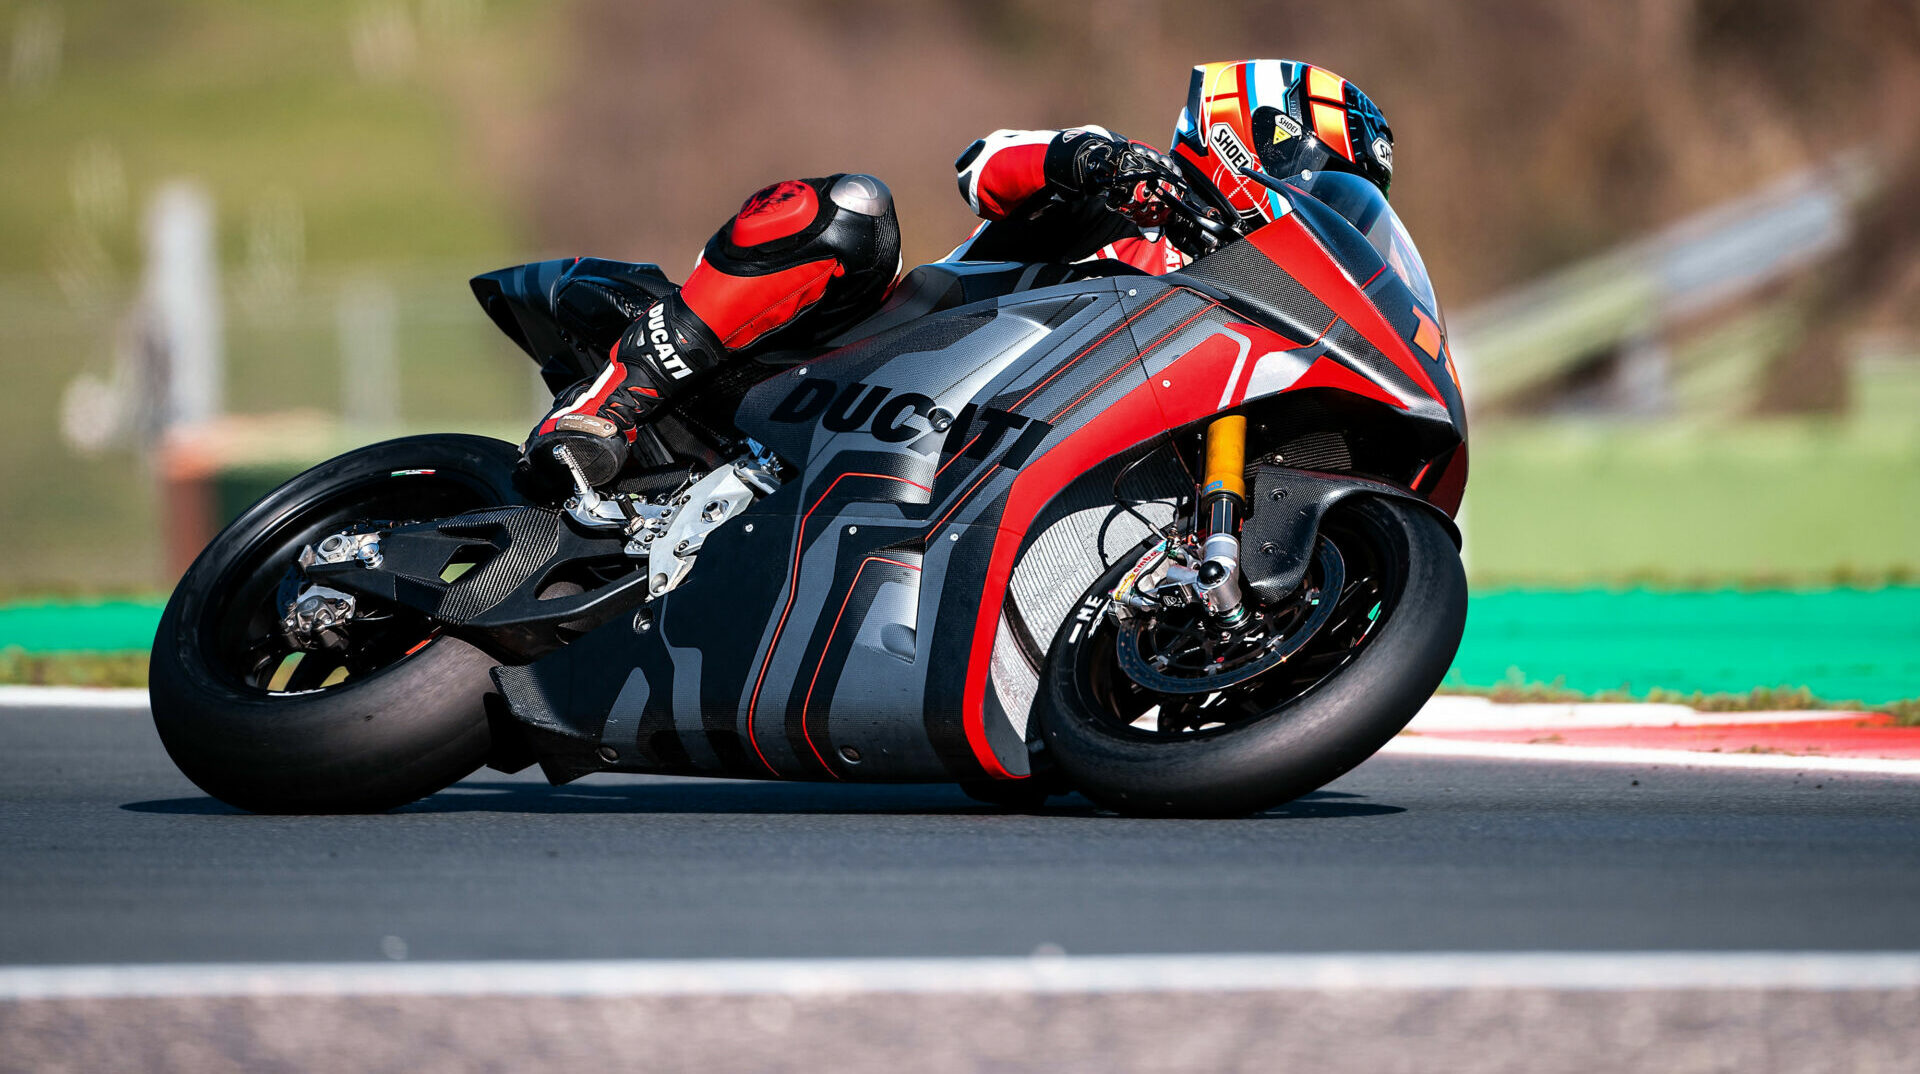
{"x": 399, "y": 716}
{"x": 1294, "y": 727}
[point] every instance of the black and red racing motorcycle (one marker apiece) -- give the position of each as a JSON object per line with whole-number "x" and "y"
{"x": 1181, "y": 543}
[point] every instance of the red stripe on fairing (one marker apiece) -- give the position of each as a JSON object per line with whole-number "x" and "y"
{"x": 971, "y": 489}
{"x": 1051, "y": 377}
{"x": 793, "y": 589}
{"x": 1132, "y": 418}
{"x": 1135, "y": 417}
{"x": 807, "y": 702}
{"x": 1451, "y": 484}
{"x": 1290, "y": 245}
{"x": 1058, "y": 414}
{"x": 957, "y": 456}
{"x": 1326, "y": 372}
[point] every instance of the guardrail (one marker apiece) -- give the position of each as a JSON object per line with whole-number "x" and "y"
{"x": 1637, "y": 291}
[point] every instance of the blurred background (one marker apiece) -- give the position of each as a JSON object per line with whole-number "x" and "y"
{"x": 1678, "y": 242}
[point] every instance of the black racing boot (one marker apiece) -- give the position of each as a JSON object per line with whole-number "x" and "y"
{"x": 596, "y": 420}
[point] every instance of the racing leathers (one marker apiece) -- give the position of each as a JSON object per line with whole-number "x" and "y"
{"x": 805, "y": 259}
{"x": 1054, "y": 189}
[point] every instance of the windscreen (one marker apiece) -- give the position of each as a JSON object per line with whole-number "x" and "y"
{"x": 1361, "y": 204}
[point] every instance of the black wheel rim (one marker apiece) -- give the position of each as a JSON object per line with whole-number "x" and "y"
{"x": 1373, "y": 577}
{"x": 240, "y": 632}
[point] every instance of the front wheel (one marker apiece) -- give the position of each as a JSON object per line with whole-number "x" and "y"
{"x": 1398, "y": 605}
{"x": 389, "y": 709}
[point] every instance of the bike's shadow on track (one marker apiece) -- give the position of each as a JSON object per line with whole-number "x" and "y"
{"x": 696, "y": 796}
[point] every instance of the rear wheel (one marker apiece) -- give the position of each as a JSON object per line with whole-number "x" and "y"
{"x": 388, "y": 710}
{"x": 1163, "y": 716}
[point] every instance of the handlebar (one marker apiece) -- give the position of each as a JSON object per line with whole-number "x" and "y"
{"x": 1209, "y": 231}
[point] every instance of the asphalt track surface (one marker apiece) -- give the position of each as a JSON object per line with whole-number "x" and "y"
{"x": 107, "y": 855}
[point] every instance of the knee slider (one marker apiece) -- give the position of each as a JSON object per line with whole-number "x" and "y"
{"x": 862, "y": 194}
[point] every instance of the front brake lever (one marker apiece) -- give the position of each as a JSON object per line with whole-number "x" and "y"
{"x": 1214, "y": 230}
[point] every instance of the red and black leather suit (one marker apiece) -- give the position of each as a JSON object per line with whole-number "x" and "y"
{"x": 805, "y": 259}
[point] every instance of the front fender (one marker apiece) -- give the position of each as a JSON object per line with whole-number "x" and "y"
{"x": 1277, "y": 539}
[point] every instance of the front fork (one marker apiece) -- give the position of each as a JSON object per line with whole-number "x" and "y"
{"x": 1223, "y": 504}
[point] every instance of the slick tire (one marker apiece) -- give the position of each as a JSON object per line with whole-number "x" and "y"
{"x": 369, "y": 743}
{"x": 1295, "y": 746}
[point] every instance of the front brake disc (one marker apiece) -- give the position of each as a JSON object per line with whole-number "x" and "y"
{"x": 1194, "y": 661}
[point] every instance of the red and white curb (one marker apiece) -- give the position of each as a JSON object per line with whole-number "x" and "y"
{"x": 1801, "y": 740}
{"x": 1039, "y": 974}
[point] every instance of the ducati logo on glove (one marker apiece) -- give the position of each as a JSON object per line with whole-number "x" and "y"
{"x": 664, "y": 351}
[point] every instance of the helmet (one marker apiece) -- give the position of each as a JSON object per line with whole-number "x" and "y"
{"x": 1281, "y": 117}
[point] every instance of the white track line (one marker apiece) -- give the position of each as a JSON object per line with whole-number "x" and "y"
{"x": 1453, "y": 712}
{"x": 1427, "y": 746}
{"x": 70, "y": 697}
{"x": 1640, "y": 971}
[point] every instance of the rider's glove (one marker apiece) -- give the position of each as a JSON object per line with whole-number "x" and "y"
{"x": 1145, "y": 202}
{"x": 1188, "y": 237}
{"x": 1083, "y": 161}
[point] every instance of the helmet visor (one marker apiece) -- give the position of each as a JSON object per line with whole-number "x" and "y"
{"x": 1284, "y": 149}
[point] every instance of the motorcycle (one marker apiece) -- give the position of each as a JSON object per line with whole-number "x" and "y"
{"x": 1180, "y": 543}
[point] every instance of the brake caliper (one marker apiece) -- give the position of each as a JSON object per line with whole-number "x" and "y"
{"x": 1164, "y": 577}
{"x": 316, "y": 618}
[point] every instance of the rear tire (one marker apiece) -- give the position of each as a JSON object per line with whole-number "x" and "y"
{"x": 407, "y": 723}
{"x": 1302, "y": 733}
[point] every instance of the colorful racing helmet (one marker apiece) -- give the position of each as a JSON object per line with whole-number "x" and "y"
{"x": 1281, "y": 117}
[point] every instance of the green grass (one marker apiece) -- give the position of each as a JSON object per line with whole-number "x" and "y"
{"x": 1676, "y": 505}
{"x": 73, "y": 669}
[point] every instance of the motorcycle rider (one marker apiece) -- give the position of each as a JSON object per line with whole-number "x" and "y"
{"x": 804, "y": 259}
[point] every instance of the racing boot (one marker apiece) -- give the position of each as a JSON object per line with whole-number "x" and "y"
{"x": 801, "y": 261}
{"x": 596, "y": 420}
